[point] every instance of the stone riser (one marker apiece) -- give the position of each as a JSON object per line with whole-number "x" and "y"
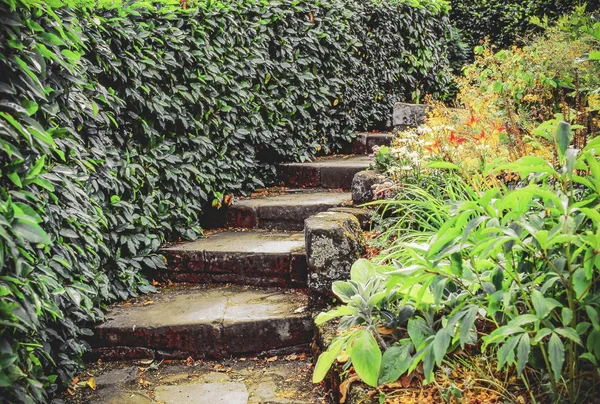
{"x": 241, "y": 268}
{"x": 330, "y": 173}
{"x": 202, "y": 341}
{"x": 297, "y": 175}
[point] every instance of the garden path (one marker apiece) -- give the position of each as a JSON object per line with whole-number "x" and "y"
{"x": 244, "y": 297}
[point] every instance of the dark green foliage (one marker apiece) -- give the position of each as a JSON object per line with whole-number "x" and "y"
{"x": 117, "y": 126}
{"x": 505, "y": 22}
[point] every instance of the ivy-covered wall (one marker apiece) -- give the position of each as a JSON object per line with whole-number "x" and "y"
{"x": 118, "y": 125}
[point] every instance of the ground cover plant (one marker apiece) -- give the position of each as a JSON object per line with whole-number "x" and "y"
{"x": 120, "y": 122}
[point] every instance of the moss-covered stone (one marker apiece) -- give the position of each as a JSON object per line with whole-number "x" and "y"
{"x": 362, "y": 186}
{"x": 334, "y": 241}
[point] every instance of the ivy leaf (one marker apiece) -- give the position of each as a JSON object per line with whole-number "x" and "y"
{"x": 30, "y": 231}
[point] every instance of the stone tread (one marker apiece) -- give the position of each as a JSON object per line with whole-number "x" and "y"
{"x": 259, "y": 258}
{"x": 283, "y": 212}
{"x": 335, "y": 161}
{"x": 205, "y": 321}
{"x": 272, "y": 242}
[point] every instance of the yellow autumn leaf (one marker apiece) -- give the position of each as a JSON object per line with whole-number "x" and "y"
{"x": 91, "y": 383}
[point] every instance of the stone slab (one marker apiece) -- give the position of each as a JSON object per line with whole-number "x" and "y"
{"x": 256, "y": 258}
{"x": 283, "y": 212}
{"x": 363, "y": 215}
{"x": 327, "y": 172}
{"x": 222, "y": 392}
{"x": 206, "y": 321}
{"x": 281, "y": 380}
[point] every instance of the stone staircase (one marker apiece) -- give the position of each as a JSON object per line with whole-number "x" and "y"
{"x": 243, "y": 290}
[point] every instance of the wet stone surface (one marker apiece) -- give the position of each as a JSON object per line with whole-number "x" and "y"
{"x": 283, "y": 379}
{"x": 206, "y": 321}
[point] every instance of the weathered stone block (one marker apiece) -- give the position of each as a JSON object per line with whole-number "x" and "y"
{"x": 362, "y": 186}
{"x": 363, "y": 215}
{"x": 409, "y": 115}
{"x": 334, "y": 241}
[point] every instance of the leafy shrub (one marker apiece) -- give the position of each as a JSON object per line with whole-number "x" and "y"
{"x": 503, "y": 22}
{"x": 522, "y": 261}
{"x": 503, "y": 97}
{"x": 119, "y": 124}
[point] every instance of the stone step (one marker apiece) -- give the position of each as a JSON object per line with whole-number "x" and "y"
{"x": 283, "y": 379}
{"x": 325, "y": 172}
{"x": 283, "y": 212}
{"x": 365, "y": 142}
{"x": 204, "y": 321}
{"x": 257, "y": 258}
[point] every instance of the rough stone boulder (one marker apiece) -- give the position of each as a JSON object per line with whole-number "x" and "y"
{"x": 409, "y": 115}
{"x": 334, "y": 241}
{"x": 362, "y": 214}
{"x": 362, "y": 186}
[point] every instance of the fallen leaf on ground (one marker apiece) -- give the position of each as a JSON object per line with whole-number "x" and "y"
{"x": 91, "y": 383}
{"x": 147, "y": 302}
{"x": 272, "y": 359}
{"x": 385, "y": 330}
{"x": 75, "y": 381}
{"x": 291, "y": 357}
{"x": 189, "y": 361}
{"x": 144, "y": 382}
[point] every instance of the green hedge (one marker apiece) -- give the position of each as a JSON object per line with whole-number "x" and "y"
{"x": 118, "y": 125}
{"x": 505, "y": 22}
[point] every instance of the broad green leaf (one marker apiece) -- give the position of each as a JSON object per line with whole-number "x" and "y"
{"x": 327, "y": 358}
{"x": 542, "y": 305}
{"x": 366, "y": 357}
{"x": 562, "y": 137}
{"x": 395, "y": 362}
{"x": 523, "y": 349}
{"x": 361, "y": 271}
{"x": 331, "y": 314}
{"x": 441, "y": 343}
{"x": 581, "y": 283}
{"x": 344, "y": 290}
